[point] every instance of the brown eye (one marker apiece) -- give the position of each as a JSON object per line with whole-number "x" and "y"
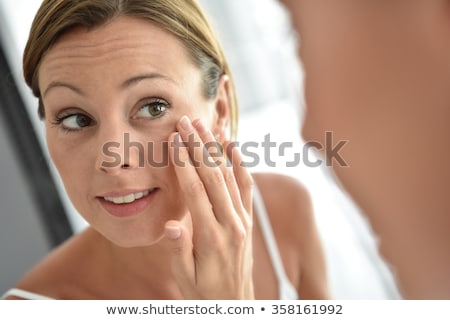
{"x": 83, "y": 121}
{"x": 76, "y": 121}
{"x": 153, "y": 110}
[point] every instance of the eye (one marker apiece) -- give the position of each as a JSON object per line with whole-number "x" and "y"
{"x": 74, "y": 122}
{"x": 153, "y": 110}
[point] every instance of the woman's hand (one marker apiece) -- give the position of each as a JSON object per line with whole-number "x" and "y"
{"x": 216, "y": 260}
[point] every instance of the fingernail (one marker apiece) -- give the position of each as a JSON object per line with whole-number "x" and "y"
{"x": 173, "y": 232}
{"x": 186, "y": 123}
{"x": 201, "y": 127}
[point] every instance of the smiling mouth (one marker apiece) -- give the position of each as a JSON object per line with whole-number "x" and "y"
{"x": 129, "y": 198}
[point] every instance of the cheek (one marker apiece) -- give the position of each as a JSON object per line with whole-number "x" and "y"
{"x": 61, "y": 154}
{"x": 73, "y": 161}
{"x": 155, "y": 158}
{"x": 162, "y": 169}
{"x": 152, "y": 147}
{"x": 160, "y": 165}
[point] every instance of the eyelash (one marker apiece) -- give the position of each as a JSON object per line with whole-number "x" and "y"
{"x": 153, "y": 103}
{"x": 59, "y": 119}
{"x": 65, "y": 115}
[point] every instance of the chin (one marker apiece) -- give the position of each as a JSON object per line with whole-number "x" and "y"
{"x": 135, "y": 242}
{"x": 133, "y": 236}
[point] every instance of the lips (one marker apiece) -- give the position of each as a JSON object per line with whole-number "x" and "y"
{"x": 127, "y": 203}
{"x": 128, "y": 198}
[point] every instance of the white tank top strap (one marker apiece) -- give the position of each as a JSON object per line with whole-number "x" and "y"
{"x": 19, "y": 293}
{"x": 285, "y": 288}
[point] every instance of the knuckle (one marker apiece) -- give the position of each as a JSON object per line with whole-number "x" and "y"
{"x": 247, "y": 222}
{"x": 216, "y": 177}
{"x": 247, "y": 181}
{"x": 228, "y": 175}
{"x": 195, "y": 188}
{"x": 239, "y": 235}
{"x": 178, "y": 250}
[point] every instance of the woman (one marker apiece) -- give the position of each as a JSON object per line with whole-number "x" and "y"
{"x": 119, "y": 83}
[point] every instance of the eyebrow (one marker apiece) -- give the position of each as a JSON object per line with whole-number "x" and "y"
{"x": 127, "y": 83}
{"x": 56, "y": 84}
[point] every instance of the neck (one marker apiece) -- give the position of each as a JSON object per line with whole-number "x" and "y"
{"x": 146, "y": 269}
{"x": 144, "y": 272}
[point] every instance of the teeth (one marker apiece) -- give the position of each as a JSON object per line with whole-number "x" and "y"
{"x": 138, "y": 195}
{"x": 128, "y": 198}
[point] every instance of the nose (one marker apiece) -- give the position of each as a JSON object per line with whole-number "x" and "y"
{"x": 118, "y": 151}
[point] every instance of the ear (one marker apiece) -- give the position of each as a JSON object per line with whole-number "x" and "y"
{"x": 222, "y": 110}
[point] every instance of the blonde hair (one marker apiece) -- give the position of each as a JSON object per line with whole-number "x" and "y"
{"x": 183, "y": 18}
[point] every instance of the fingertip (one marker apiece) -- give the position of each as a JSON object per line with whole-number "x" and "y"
{"x": 200, "y": 126}
{"x": 195, "y": 122}
{"x": 172, "y": 231}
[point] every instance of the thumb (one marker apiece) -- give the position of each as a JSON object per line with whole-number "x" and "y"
{"x": 178, "y": 242}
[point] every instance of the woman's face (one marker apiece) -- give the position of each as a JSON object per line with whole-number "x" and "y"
{"x": 112, "y": 97}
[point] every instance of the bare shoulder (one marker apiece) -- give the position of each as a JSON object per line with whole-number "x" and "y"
{"x": 284, "y": 195}
{"x": 59, "y": 272}
{"x": 288, "y": 205}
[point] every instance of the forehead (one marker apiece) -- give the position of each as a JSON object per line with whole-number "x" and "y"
{"x": 123, "y": 46}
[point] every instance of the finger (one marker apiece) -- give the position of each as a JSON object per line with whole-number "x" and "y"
{"x": 216, "y": 151}
{"x": 211, "y": 176}
{"x": 178, "y": 242}
{"x": 193, "y": 189}
{"x": 243, "y": 177}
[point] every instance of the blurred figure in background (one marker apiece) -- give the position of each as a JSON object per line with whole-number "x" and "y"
{"x": 377, "y": 73}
